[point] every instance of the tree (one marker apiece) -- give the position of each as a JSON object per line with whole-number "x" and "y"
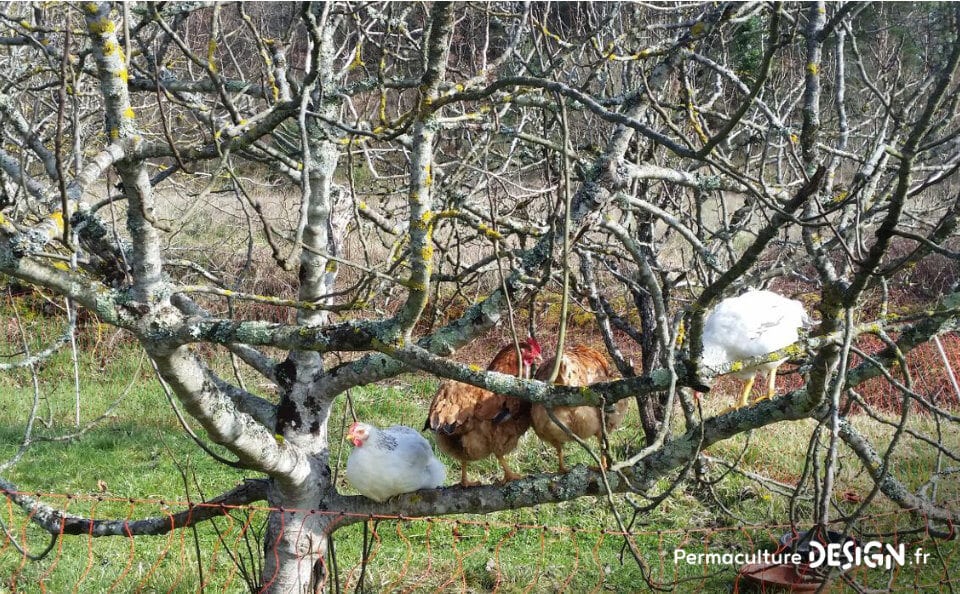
{"x": 671, "y": 154}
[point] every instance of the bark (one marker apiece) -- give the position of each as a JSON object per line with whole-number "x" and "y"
{"x": 295, "y": 543}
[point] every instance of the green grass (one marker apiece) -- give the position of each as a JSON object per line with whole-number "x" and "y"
{"x": 139, "y": 453}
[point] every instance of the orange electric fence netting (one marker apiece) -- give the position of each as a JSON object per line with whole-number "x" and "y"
{"x": 395, "y": 554}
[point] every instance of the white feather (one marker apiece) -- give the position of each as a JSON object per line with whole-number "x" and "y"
{"x": 753, "y": 324}
{"x": 392, "y": 461}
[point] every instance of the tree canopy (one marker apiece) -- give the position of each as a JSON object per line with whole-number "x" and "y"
{"x": 338, "y": 193}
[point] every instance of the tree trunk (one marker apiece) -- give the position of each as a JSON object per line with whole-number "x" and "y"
{"x": 295, "y": 543}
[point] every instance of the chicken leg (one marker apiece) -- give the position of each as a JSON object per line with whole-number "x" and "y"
{"x": 560, "y": 465}
{"x": 744, "y": 399}
{"x": 463, "y": 477}
{"x": 744, "y": 395}
{"x": 771, "y": 385}
{"x": 508, "y": 475}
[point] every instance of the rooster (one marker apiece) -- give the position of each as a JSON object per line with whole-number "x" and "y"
{"x": 472, "y": 423}
{"x": 391, "y": 461}
{"x": 579, "y": 366}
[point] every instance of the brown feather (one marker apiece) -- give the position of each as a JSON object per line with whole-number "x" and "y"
{"x": 472, "y": 423}
{"x": 579, "y": 366}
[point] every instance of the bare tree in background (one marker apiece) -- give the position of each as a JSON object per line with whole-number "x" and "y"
{"x": 659, "y": 158}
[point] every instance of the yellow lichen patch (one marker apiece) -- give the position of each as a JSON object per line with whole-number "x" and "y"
{"x": 101, "y": 27}
{"x": 128, "y": 113}
{"x": 813, "y": 68}
{"x": 548, "y": 33}
{"x": 793, "y": 351}
{"x": 489, "y": 232}
{"x": 426, "y": 219}
{"x": 357, "y": 61}
{"x": 681, "y": 333}
{"x": 114, "y": 133}
{"x": 57, "y": 218}
{"x": 426, "y": 254}
{"x": 382, "y": 107}
{"x": 123, "y": 75}
{"x": 475, "y": 368}
{"x": 91, "y": 7}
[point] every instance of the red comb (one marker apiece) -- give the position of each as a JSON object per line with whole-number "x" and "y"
{"x": 534, "y": 345}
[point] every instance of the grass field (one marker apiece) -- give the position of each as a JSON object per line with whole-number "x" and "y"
{"x": 137, "y": 462}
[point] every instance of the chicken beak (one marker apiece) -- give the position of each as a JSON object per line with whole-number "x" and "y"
{"x": 531, "y": 369}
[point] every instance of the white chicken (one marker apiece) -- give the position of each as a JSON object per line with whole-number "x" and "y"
{"x": 391, "y": 461}
{"x": 753, "y": 324}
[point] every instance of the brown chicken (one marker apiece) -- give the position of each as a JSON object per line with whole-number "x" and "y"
{"x": 580, "y": 366}
{"x": 471, "y": 423}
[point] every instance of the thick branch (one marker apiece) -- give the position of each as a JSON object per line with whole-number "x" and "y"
{"x": 56, "y": 521}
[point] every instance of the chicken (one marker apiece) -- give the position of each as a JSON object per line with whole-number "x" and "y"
{"x": 753, "y": 324}
{"x": 472, "y": 423}
{"x": 579, "y": 366}
{"x": 391, "y": 461}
